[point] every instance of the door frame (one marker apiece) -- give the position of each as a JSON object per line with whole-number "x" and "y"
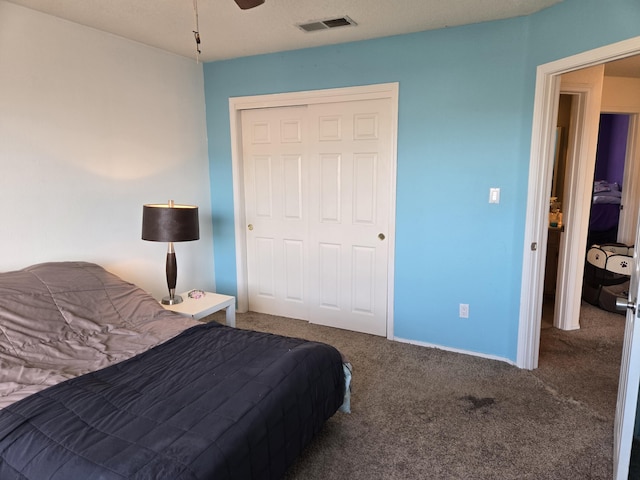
{"x": 628, "y": 217}
{"x": 333, "y": 95}
{"x": 545, "y": 107}
{"x": 566, "y": 306}
{"x": 583, "y": 141}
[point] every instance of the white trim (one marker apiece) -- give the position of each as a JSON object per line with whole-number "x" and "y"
{"x": 455, "y": 350}
{"x": 545, "y": 110}
{"x": 346, "y": 94}
{"x": 566, "y": 314}
{"x": 580, "y": 171}
{"x": 627, "y": 401}
{"x": 631, "y": 178}
{"x": 238, "y": 208}
{"x": 541, "y": 160}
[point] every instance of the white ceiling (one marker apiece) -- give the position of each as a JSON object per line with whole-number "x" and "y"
{"x": 228, "y": 32}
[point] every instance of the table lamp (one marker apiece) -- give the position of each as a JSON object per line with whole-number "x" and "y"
{"x": 170, "y": 223}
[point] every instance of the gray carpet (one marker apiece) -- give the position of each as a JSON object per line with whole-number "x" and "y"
{"x": 423, "y": 413}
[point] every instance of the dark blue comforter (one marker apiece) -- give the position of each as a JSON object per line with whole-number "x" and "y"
{"x": 212, "y": 403}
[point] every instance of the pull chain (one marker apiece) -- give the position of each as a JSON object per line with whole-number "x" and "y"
{"x": 196, "y": 32}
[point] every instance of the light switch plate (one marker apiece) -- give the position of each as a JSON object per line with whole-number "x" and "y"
{"x": 494, "y": 195}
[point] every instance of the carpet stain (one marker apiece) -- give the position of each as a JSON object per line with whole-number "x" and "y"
{"x": 478, "y": 403}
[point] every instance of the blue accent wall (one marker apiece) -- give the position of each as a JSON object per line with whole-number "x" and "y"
{"x": 465, "y": 116}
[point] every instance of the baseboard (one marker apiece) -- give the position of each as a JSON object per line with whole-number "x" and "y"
{"x": 455, "y": 350}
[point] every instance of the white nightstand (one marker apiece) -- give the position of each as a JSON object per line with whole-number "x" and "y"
{"x": 209, "y": 303}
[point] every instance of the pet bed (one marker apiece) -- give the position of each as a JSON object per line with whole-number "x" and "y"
{"x": 605, "y": 212}
{"x": 607, "y": 271}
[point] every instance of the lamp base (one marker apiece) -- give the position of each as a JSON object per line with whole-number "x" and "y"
{"x": 171, "y": 301}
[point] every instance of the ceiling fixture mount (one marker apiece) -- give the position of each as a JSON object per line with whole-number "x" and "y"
{"x": 243, "y": 4}
{"x": 327, "y": 24}
{"x": 247, "y": 4}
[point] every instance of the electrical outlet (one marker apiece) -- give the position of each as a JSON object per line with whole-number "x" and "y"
{"x": 464, "y": 310}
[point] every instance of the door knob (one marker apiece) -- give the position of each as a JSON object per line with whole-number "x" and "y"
{"x": 623, "y": 304}
{"x": 250, "y": 226}
{"x": 381, "y": 236}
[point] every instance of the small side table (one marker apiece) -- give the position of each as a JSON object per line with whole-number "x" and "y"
{"x": 209, "y": 303}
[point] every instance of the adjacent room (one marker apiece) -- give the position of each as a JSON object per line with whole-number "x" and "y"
{"x": 375, "y": 178}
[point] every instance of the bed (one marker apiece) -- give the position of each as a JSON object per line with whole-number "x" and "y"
{"x": 605, "y": 212}
{"x": 99, "y": 381}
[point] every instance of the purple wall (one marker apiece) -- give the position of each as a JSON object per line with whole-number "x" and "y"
{"x": 612, "y": 147}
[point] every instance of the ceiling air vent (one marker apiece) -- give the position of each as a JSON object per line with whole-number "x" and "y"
{"x": 326, "y": 24}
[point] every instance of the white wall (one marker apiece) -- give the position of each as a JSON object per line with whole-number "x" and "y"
{"x": 621, "y": 94}
{"x": 92, "y": 126}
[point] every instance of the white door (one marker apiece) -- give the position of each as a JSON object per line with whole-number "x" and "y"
{"x": 630, "y": 181}
{"x": 629, "y": 377}
{"x": 275, "y": 184}
{"x": 349, "y": 211}
{"x": 317, "y": 197}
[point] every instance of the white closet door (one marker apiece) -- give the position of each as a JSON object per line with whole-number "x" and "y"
{"x": 275, "y": 177}
{"x": 350, "y": 154}
{"x": 317, "y": 197}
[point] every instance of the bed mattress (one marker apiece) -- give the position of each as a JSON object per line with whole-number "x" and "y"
{"x": 101, "y": 382}
{"x": 212, "y": 403}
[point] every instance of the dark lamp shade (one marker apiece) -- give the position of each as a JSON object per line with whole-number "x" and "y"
{"x": 164, "y": 223}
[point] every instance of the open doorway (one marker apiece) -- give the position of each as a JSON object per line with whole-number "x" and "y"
{"x": 542, "y": 172}
{"x": 536, "y": 230}
{"x": 606, "y": 193}
{"x": 566, "y": 109}
{"x": 608, "y": 178}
